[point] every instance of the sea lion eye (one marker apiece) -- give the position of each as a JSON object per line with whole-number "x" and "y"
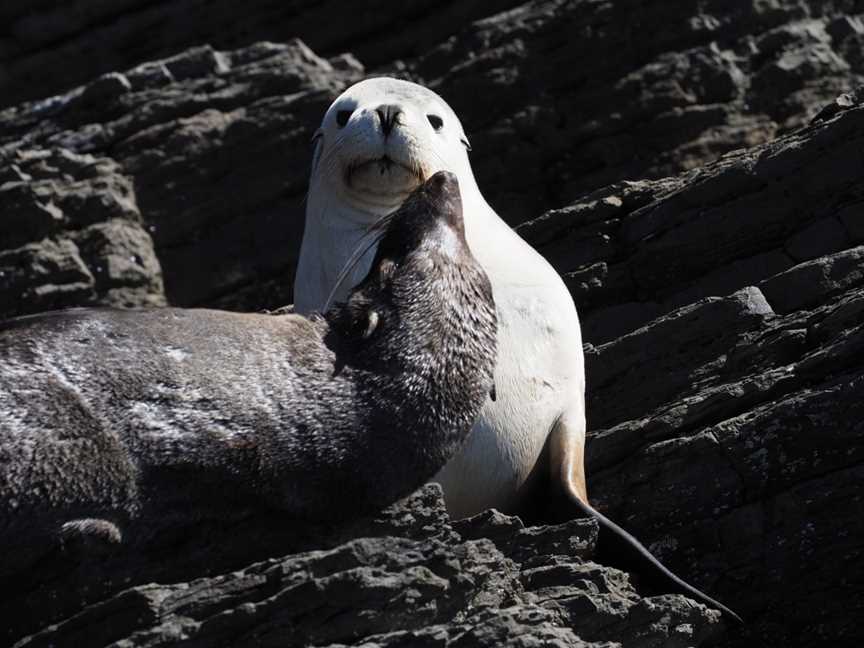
{"x": 342, "y": 117}
{"x": 436, "y": 121}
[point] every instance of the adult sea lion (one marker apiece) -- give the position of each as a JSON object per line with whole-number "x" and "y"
{"x": 377, "y": 141}
{"x": 110, "y": 417}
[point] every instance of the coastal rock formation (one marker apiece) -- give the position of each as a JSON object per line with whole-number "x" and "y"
{"x": 74, "y": 234}
{"x": 214, "y": 148}
{"x": 558, "y": 98}
{"x": 725, "y": 313}
{"x": 406, "y": 578}
{"x": 695, "y": 171}
{"x": 575, "y": 94}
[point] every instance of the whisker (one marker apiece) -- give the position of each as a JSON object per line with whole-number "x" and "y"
{"x": 379, "y": 229}
{"x": 440, "y": 160}
{"x": 353, "y": 260}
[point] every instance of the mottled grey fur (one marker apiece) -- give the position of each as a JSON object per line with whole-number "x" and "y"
{"x": 108, "y": 415}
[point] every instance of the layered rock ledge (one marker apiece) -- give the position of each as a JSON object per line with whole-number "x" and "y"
{"x": 407, "y": 578}
{"x": 725, "y": 311}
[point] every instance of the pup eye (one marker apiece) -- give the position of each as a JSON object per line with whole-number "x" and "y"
{"x": 387, "y": 267}
{"x": 342, "y": 117}
{"x": 436, "y": 121}
{"x": 372, "y": 320}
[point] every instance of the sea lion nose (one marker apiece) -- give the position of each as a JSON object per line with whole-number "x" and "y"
{"x": 389, "y": 116}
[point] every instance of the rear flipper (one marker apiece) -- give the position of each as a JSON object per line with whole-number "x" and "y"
{"x": 614, "y": 546}
{"x": 617, "y": 547}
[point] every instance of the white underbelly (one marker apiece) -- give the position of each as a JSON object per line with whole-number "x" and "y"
{"x": 539, "y": 370}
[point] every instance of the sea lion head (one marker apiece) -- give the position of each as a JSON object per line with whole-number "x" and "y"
{"x": 381, "y": 139}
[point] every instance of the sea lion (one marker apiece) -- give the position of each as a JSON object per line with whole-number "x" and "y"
{"x": 377, "y": 141}
{"x": 108, "y": 417}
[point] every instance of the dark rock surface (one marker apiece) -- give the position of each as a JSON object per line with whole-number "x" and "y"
{"x": 72, "y": 235}
{"x": 725, "y": 308}
{"x": 47, "y": 47}
{"x": 578, "y": 94}
{"x": 691, "y": 169}
{"x": 214, "y": 146}
{"x": 406, "y": 578}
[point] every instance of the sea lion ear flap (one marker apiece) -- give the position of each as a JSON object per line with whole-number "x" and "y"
{"x": 466, "y": 143}
{"x": 316, "y": 150}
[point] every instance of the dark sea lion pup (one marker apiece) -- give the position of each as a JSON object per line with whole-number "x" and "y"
{"x": 109, "y": 417}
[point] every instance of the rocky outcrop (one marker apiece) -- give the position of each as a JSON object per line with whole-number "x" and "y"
{"x": 578, "y": 95}
{"x": 72, "y": 234}
{"x": 214, "y": 148}
{"x": 724, "y": 310}
{"x": 406, "y": 578}
{"x": 687, "y": 167}
{"x": 48, "y": 47}
{"x": 573, "y": 96}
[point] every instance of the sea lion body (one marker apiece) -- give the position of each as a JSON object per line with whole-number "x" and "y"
{"x": 117, "y": 415}
{"x": 539, "y": 378}
{"x": 379, "y": 139}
